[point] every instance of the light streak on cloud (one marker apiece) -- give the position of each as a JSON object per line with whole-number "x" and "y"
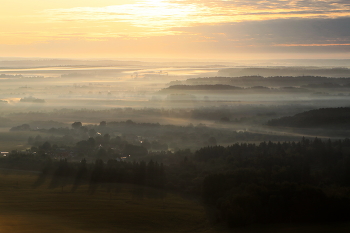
{"x": 310, "y": 45}
{"x": 159, "y": 17}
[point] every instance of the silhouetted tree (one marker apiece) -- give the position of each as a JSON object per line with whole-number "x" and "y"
{"x": 77, "y": 125}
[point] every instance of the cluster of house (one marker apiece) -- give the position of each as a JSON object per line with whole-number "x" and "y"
{"x": 4, "y": 153}
{"x": 60, "y": 153}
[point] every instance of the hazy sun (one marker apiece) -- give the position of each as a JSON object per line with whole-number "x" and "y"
{"x": 154, "y": 2}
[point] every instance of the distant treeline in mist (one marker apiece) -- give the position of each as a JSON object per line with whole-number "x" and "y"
{"x": 319, "y": 118}
{"x": 285, "y": 71}
{"x": 270, "y": 81}
{"x": 234, "y": 89}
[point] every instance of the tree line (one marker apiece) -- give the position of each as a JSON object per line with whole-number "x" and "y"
{"x": 271, "y": 182}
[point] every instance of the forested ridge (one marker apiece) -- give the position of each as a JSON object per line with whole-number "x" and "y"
{"x": 307, "y": 181}
{"x": 324, "y": 117}
{"x": 270, "y": 80}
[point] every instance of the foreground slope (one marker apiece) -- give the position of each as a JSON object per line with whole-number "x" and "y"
{"x": 25, "y": 209}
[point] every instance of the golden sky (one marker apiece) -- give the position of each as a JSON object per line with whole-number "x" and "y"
{"x": 173, "y": 28}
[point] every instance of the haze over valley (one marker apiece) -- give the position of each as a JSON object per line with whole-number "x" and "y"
{"x": 174, "y": 116}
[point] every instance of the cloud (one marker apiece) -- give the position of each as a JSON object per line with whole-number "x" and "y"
{"x": 185, "y": 26}
{"x": 149, "y": 16}
{"x": 279, "y": 32}
{"x": 158, "y": 17}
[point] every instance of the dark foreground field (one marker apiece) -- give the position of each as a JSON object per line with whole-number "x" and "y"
{"x": 25, "y": 209}
{"x": 125, "y": 209}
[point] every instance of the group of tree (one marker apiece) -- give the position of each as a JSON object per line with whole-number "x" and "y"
{"x": 288, "y": 182}
{"x": 63, "y": 173}
{"x": 272, "y": 182}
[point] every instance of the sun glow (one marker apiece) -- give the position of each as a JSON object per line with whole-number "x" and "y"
{"x": 151, "y": 17}
{"x": 187, "y": 22}
{"x": 154, "y": 2}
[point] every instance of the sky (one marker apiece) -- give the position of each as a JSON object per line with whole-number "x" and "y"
{"x": 205, "y": 29}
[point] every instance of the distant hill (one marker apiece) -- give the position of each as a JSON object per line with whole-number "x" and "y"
{"x": 215, "y": 87}
{"x": 285, "y": 71}
{"x": 324, "y": 117}
{"x": 270, "y": 81}
{"x": 31, "y": 100}
{"x": 231, "y": 89}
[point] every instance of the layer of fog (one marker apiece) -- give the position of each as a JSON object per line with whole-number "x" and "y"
{"x": 65, "y": 91}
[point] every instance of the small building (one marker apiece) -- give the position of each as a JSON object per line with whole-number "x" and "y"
{"x": 4, "y": 153}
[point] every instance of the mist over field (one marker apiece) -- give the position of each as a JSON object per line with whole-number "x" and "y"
{"x": 179, "y": 93}
{"x": 221, "y": 102}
